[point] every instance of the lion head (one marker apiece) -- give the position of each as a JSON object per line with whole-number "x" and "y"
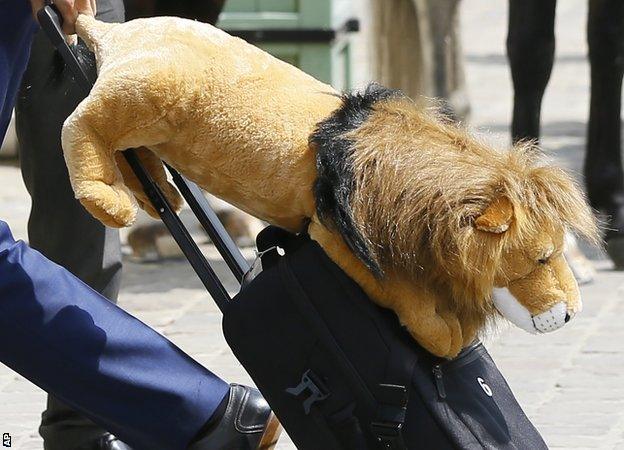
{"x": 531, "y": 265}
{"x": 414, "y": 195}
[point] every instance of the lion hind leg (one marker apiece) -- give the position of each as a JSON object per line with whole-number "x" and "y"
{"x": 111, "y": 119}
{"x": 94, "y": 176}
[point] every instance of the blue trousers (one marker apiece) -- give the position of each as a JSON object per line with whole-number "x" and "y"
{"x": 72, "y": 342}
{"x": 47, "y": 96}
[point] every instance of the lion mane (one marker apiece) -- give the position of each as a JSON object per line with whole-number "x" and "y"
{"x": 403, "y": 186}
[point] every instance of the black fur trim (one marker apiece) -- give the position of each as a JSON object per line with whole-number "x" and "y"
{"x": 333, "y": 188}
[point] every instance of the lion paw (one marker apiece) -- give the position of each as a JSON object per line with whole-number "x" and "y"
{"x": 113, "y": 205}
{"x": 174, "y": 197}
{"x": 437, "y": 340}
{"x": 456, "y": 336}
{"x": 438, "y": 347}
{"x": 169, "y": 191}
{"x": 440, "y": 335}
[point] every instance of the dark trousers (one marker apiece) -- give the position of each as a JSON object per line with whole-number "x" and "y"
{"x": 59, "y": 226}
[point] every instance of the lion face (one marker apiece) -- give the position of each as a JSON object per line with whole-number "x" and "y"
{"x": 533, "y": 268}
{"x": 545, "y": 292}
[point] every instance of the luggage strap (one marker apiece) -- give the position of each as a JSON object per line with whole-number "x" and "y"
{"x": 387, "y": 427}
{"x": 393, "y": 399}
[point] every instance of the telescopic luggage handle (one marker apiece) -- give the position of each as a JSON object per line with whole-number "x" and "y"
{"x": 51, "y": 22}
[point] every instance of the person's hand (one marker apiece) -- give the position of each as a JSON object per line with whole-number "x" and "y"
{"x": 69, "y": 10}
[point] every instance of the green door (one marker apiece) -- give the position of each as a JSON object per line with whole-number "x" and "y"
{"x": 296, "y": 31}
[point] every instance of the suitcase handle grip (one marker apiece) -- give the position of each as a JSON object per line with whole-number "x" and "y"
{"x": 51, "y": 22}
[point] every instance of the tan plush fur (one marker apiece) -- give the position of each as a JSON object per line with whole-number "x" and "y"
{"x": 228, "y": 115}
{"x": 447, "y": 217}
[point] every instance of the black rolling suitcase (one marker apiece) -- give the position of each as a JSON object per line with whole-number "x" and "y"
{"x": 340, "y": 372}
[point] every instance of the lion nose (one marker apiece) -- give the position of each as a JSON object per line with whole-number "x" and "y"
{"x": 553, "y": 319}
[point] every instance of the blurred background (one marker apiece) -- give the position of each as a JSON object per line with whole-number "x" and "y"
{"x": 568, "y": 382}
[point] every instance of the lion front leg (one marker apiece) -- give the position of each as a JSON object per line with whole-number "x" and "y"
{"x": 437, "y": 330}
{"x": 419, "y": 310}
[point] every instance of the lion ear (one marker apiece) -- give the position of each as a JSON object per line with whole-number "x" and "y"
{"x": 497, "y": 217}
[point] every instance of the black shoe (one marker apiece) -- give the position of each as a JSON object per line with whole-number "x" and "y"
{"x": 106, "y": 442}
{"x": 247, "y": 424}
{"x": 111, "y": 442}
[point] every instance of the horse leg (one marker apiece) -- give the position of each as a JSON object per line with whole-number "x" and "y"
{"x": 603, "y": 162}
{"x": 530, "y": 49}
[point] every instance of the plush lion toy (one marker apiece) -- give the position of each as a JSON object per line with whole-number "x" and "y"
{"x": 424, "y": 217}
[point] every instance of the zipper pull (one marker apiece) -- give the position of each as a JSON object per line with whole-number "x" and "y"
{"x": 437, "y": 373}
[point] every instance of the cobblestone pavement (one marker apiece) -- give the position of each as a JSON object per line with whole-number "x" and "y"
{"x": 568, "y": 382}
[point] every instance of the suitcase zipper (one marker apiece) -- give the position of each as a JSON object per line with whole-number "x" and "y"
{"x": 437, "y": 373}
{"x": 470, "y": 354}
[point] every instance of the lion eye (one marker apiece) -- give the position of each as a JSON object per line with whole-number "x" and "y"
{"x": 546, "y": 256}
